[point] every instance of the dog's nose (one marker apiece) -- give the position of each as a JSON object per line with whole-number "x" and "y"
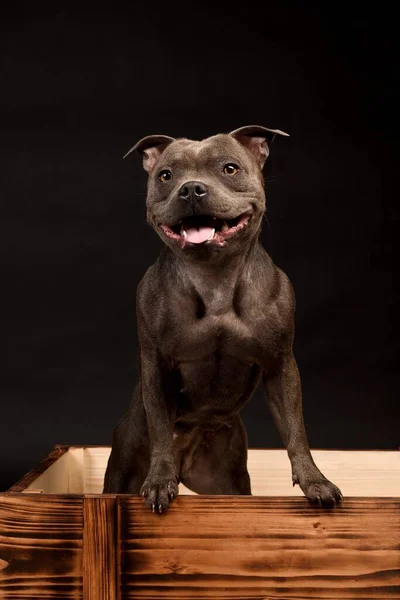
{"x": 192, "y": 190}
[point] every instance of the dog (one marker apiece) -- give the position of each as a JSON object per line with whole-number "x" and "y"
{"x": 215, "y": 315}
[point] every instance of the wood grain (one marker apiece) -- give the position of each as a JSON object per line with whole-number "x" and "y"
{"x": 357, "y": 473}
{"x": 40, "y": 547}
{"x": 80, "y": 470}
{"x": 106, "y": 547}
{"x": 260, "y": 548}
{"x": 30, "y": 477}
{"x": 100, "y": 548}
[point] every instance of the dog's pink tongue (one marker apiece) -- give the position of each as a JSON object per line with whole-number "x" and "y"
{"x": 198, "y": 236}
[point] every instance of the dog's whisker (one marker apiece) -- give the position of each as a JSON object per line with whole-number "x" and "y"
{"x": 265, "y": 218}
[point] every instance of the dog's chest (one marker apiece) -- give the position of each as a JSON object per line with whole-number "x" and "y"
{"x": 198, "y": 328}
{"x": 226, "y": 334}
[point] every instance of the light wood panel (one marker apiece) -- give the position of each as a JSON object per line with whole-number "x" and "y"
{"x": 358, "y": 473}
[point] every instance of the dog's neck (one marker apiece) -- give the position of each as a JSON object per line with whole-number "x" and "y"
{"x": 215, "y": 283}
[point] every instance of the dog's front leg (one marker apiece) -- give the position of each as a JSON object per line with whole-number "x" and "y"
{"x": 161, "y": 484}
{"x": 283, "y": 391}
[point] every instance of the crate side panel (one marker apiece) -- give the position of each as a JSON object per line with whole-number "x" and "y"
{"x": 76, "y": 484}
{"x": 357, "y": 473}
{"x": 257, "y": 548}
{"x": 57, "y": 453}
{"x": 54, "y": 480}
{"x": 40, "y": 547}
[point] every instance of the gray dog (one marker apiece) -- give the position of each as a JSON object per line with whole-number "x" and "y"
{"x": 214, "y": 316}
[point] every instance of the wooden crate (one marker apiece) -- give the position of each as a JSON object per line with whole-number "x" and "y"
{"x": 61, "y": 538}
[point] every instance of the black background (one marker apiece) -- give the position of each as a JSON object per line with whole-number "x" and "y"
{"x": 78, "y": 90}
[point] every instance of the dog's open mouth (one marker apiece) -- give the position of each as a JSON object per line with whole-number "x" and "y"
{"x": 205, "y": 229}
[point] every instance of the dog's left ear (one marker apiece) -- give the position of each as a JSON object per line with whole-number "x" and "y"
{"x": 151, "y": 148}
{"x": 256, "y": 138}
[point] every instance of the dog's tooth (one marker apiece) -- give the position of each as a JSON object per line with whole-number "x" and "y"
{"x": 225, "y": 226}
{"x": 210, "y": 237}
{"x": 184, "y": 233}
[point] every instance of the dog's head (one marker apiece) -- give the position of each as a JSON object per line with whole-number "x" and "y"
{"x": 205, "y": 198}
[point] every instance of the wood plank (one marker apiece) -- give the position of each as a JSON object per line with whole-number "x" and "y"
{"x": 40, "y": 547}
{"x": 95, "y": 464}
{"x": 369, "y": 473}
{"x": 357, "y": 473}
{"x": 76, "y": 470}
{"x": 29, "y": 477}
{"x": 64, "y": 476}
{"x": 100, "y": 547}
{"x": 258, "y": 548}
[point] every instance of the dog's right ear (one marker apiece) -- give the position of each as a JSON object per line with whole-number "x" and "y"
{"x": 256, "y": 139}
{"x": 151, "y": 148}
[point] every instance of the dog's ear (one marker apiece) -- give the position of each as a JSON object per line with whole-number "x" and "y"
{"x": 151, "y": 148}
{"x": 256, "y": 138}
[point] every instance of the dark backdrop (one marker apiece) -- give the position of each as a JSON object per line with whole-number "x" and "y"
{"x": 78, "y": 90}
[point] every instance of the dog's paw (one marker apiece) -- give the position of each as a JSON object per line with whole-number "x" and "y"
{"x": 322, "y": 492}
{"x": 159, "y": 492}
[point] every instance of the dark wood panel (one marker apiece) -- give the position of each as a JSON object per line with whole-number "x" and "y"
{"x": 100, "y": 546}
{"x": 253, "y": 548}
{"x": 40, "y": 547}
{"x": 27, "y": 479}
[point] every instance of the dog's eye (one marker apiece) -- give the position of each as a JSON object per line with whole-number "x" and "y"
{"x": 231, "y": 169}
{"x": 165, "y": 175}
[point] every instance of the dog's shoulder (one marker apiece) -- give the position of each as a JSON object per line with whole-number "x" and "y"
{"x": 285, "y": 294}
{"x": 152, "y": 298}
{"x": 270, "y": 283}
